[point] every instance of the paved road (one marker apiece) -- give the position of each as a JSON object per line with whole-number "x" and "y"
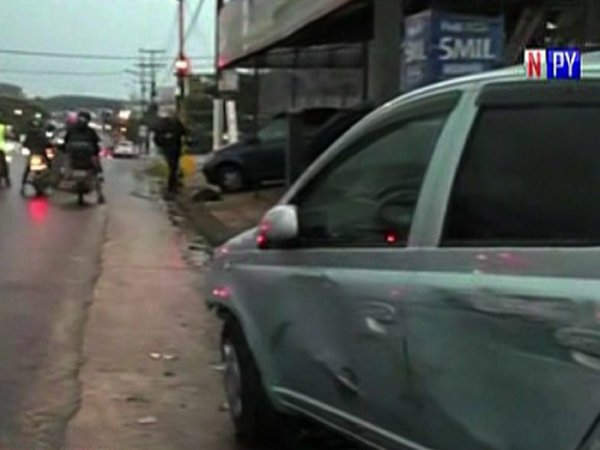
{"x": 85, "y": 295}
{"x": 49, "y": 256}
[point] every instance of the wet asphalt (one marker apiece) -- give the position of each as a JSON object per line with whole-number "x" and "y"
{"x": 50, "y": 259}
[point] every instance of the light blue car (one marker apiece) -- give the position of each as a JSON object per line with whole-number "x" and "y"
{"x": 433, "y": 280}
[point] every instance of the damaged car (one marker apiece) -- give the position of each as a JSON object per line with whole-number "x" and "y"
{"x": 432, "y": 280}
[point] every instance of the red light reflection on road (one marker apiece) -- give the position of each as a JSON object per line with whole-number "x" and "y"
{"x": 38, "y": 209}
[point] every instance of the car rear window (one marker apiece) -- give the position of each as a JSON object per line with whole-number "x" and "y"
{"x": 530, "y": 176}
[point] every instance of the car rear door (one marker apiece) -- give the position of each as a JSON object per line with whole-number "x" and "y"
{"x": 503, "y": 323}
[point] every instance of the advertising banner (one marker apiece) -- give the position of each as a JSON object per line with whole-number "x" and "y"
{"x": 417, "y": 50}
{"x": 249, "y": 26}
{"x": 441, "y": 45}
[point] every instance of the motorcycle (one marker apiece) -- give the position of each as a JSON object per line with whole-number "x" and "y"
{"x": 39, "y": 174}
{"x": 81, "y": 174}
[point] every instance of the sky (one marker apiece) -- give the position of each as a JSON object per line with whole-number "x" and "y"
{"x": 107, "y": 27}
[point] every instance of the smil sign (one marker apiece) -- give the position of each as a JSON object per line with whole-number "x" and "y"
{"x": 439, "y": 45}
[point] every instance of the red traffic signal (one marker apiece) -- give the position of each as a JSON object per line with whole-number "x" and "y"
{"x": 182, "y": 66}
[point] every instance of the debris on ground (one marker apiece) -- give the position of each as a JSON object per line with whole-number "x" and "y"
{"x": 148, "y": 420}
{"x": 137, "y": 399}
{"x": 218, "y": 367}
{"x": 206, "y": 194}
{"x": 224, "y": 407}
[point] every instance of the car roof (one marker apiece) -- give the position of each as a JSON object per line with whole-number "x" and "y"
{"x": 590, "y": 69}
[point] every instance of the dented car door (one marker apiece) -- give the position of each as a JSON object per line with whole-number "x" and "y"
{"x": 341, "y": 340}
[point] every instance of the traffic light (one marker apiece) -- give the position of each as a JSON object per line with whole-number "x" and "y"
{"x": 182, "y": 66}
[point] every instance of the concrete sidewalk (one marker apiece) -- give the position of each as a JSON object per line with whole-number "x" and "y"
{"x": 149, "y": 343}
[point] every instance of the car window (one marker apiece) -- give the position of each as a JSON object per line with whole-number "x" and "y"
{"x": 367, "y": 197}
{"x": 529, "y": 176}
{"x": 276, "y": 129}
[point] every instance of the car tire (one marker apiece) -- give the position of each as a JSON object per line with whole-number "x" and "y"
{"x": 256, "y": 420}
{"x": 230, "y": 178}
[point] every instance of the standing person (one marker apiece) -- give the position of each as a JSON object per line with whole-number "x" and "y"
{"x": 168, "y": 136}
{"x": 4, "y": 166}
{"x": 37, "y": 142}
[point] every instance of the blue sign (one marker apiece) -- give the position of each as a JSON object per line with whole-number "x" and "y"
{"x": 450, "y": 45}
{"x": 563, "y": 63}
{"x": 416, "y": 67}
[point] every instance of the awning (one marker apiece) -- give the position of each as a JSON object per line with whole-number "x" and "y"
{"x": 247, "y": 27}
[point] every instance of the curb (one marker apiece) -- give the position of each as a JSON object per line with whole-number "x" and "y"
{"x": 204, "y": 222}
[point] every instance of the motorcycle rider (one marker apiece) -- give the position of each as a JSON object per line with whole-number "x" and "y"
{"x": 4, "y": 166}
{"x": 81, "y": 132}
{"x": 37, "y": 142}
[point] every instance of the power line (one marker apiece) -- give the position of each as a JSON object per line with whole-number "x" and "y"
{"x": 89, "y": 56}
{"x": 195, "y": 17}
{"x": 66, "y": 55}
{"x": 61, "y": 73}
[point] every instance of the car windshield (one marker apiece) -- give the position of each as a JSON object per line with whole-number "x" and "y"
{"x": 274, "y": 130}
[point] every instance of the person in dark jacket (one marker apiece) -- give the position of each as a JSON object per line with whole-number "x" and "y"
{"x": 168, "y": 136}
{"x": 36, "y": 142}
{"x": 81, "y": 132}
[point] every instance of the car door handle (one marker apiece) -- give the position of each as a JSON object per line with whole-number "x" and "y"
{"x": 581, "y": 340}
{"x": 383, "y": 313}
{"x": 584, "y": 344}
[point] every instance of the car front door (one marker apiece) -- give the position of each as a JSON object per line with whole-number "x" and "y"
{"x": 503, "y": 323}
{"x": 336, "y": 333}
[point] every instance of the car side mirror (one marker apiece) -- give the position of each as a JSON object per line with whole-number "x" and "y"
{"x": 280, "y": 224}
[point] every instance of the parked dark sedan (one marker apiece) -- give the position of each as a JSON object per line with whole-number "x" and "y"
{"x": 259, "y": 158}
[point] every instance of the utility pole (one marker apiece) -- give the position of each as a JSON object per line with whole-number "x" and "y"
{"x": 142, "y": 83}
{"x": 148, "y": 67}
{"x": 385, "y": 55}
{"x": 181, "y": 58}
{"x": 152, "y": 66}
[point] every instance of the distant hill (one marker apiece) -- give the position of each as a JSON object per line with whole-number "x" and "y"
{"x": 77, "y": 102}
{"x": 11, "y": 90}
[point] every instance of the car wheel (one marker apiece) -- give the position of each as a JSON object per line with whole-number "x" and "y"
{"x": 230, "y": 178}
{"x": 255, "y": 419}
